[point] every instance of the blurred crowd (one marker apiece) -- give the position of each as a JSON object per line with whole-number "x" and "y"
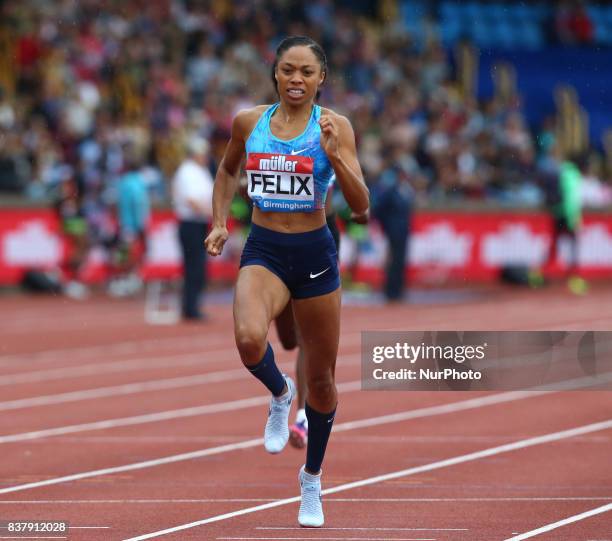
{"x": 81, "y": 82}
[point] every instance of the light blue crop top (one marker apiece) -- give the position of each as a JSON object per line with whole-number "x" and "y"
{"x": 287, "y": 176}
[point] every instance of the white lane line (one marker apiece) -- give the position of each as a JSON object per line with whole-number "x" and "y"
{"x": 128, "y": 347}
{"x": 351, "y": 425}
{"x": 521, "y": 444}
{"x": 193, "y": 411}
{"x": 205, "y": 356}
{"x": 125, "y": 365}
{"x": 468, "y": 500}
{"x": 137, "y": 465}
{"x": 366, "y": 529}
{"x": 144, "y": 345}
{"x": 328, "y": 500}
{"x": 67, "y": 322}
{"x": 330, "y": 538}
{"x": 137, "y": 419}
{"x": 154, "y": 345}
{"x": 125, "y": 389}
{"x": 114, "y": 367}
{"x": 122, "y": 502}
{"x": 560, "y": 523}
{"x": 147, "y": 386}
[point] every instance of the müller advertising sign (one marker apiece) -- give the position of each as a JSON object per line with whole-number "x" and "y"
{"x": 443, "y": 245}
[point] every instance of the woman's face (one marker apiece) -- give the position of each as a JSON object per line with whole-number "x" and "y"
{"x": 298, "y": 74}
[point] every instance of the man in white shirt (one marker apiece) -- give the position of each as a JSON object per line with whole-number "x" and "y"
{"x": 192, "y": 195}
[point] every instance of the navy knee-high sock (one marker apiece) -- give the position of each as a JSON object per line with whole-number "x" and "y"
{"x": 267, "y": 372}
{"x": 319, "y": 428}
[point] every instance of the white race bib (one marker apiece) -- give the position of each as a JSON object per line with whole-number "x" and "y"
{"x": 281, "y": 182}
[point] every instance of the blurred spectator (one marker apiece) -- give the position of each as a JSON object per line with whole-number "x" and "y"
{"x": 133, "y": 211}
{"x": 90, "y": 79}
{"x": 392, "y": 202}
{"x": 573, "y": 24}
{"x": 567, "y": 211}
{"x": 7, "y": 113}
{"x": 69, "y": 208}
{"x": 192, "y": 194}
{"x": 594, "y": 193}
{"x": 14, "y": 169}
{"x": 201, "y": 70}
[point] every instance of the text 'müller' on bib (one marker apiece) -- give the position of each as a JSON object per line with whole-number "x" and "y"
{"x": 281, "y": 182}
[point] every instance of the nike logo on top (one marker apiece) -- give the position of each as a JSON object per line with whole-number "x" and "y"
{"x": 319, "y": 273}
{"x": 294, "y": 152}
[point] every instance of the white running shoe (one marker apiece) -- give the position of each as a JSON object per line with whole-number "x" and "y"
{"x": 276, "y": 433}
{"x": 311, "y": 508}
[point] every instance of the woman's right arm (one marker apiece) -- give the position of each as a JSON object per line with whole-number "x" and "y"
{"x": 226, "y": 182}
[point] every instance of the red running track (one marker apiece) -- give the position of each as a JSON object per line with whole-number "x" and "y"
{"x": 124, "y": 429}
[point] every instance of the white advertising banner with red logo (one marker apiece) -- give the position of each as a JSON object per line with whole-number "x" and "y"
{"x": 443, "y": 245}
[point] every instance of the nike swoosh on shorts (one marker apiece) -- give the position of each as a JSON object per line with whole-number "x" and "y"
{"x": 319, "y": 273}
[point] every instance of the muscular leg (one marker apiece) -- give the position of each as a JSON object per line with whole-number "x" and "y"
{"x": 260, "y": 297}
{"x": 318, "y": 321}
{"x": 300, "y": 374}
{"x": 289, "y": 338}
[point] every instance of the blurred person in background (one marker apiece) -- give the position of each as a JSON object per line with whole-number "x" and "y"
{"x": 73, "y": 224}
{"x": 149, "y": 65}
{"x": 393, "y": 198}
{"x": 594, "y": 192}
{"x": 572, "y": 23}
{"x": 566, "y": 212}
{"x": 192, "y": 197}
{"x": 133, "y": 213}
{"x": 87, "y": 75}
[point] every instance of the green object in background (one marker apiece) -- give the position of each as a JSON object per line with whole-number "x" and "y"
{"x": 535, "y": 278}
{"x": 358, "y": 232}
{"x": 570, "y": 207}
{"x": 240, "y": 210}
{"x": 343, "y": 211}
{"x": 577, "y": 285}
{"x": 76, "y": 227}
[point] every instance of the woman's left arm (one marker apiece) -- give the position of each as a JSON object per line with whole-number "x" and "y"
{"x": 338, "y": 142}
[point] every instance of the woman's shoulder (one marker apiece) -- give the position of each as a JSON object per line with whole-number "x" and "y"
{"x": 246, "y": 119}
{"x": 250, "y": 115}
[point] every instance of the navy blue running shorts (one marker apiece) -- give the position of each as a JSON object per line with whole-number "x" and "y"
{"x": 307, "y": 263}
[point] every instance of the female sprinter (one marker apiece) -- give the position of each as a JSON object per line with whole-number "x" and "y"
{"x": 293, "y": 149}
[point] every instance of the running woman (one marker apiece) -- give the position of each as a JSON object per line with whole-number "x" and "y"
{"x": 293, "y": 149}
